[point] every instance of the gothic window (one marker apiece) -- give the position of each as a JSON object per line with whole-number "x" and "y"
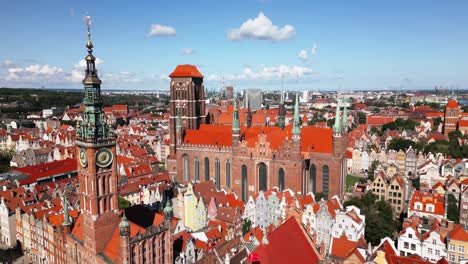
{"x": 312, "y": 178}
{"x": 197, "y": 169}
{"x": 207, "y": 169}
{"x": 217, "y": 173}
{"x": 262, "y": 177}
{"x": 281, "y": 179}
{"x": 228, "y": 174}
{"x": 244, "y": 183}
{"x": 325, "y": 179}
{"x": 185, "y": 160}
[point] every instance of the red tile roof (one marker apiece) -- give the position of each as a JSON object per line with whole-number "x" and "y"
{"x": 452, "y": 103}
{"x": 344, "y": 248}
{"x": 425, "y": 198}
{"x": 458, "y": 233}
{"x": 44, "y": 170}
{"x": 186, "y": 70}
{"x": 289, "y": 243}
{"x": 378, "y": 120}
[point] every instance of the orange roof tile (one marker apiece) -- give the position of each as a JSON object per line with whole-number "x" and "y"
{"x": 186, "y": 70}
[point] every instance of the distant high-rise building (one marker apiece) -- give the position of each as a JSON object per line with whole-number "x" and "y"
{"x": 229, "y": 92}
{"x": 305, "y": 97}
{"x": 253, "y": 99}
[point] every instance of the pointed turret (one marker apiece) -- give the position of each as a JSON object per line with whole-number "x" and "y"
{"x": 93, "y": 127}
{"x": 168, "y": 212}
{"x": 124, "y": 226}
{"x": 297, "y": 121}
{"x": 66, "y": 216}
{"x": 281, "y": 112}
{"x": 337, "y": 125}
{"x": 345, "y": 114}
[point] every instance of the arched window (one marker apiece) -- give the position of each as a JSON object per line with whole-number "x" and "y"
{"x": 325, "y": 179}
{"x": 244, "y": 183}
{"x": 281, "y": 179}
{"x": 262, "y": 177}
{"x": 207, "y": 169}
{"x": 185, "y": 160}
{"x": 228, "y": 174}
{"x": 217, "y": 173}
{"x": 313, "y": 178}
{"x": 197, "y": 169}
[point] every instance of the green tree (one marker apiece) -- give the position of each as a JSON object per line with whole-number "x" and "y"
{"x": 372, "y": 168}
{"x": 400, "y": 143}
{"x": 379, "y": 217}
{"x": 5, "y": 158}
{"x": 437, "y": 121}
{"x": 320, "y": 195}
{"x": 361, "y": 118}
{"x": 453, "y": 213}
{"x": 400, "y": 124}
{"x": 124, "y": 204}
{"x": 246, "y": 225}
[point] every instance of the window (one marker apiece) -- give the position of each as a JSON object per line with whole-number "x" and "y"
{"x": 197, "y": 169}
{"x": 228, "y": 174}
{"x": 410, "y": 235}
{"x": 186, "y": 167}
{"x": 281, "y": 179}
{"x": 433, "y": 242}
{"x": 451, "y": 257}
{"x": 325, "y": 178}
{"x": 429, "y": 250}
{"x": 406, "y": 245}
{"x": 413, "y": 246}
{"x": 207, "y": 169}
{"x": 437, "y": 252}
{"x": 217, "y": 174}
{"x": 244, "y": 183}
{"x": 461, "y": 249}
{"x": 452, "y": 247}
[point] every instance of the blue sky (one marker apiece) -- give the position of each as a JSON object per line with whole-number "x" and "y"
{"x": 324, "y": 45}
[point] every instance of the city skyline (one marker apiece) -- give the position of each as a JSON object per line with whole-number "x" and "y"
{"x": 254, "y": 44}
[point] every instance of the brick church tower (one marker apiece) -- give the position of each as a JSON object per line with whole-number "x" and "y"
{"x": 451, "y": 117}
{"x": 97, "y": 168}
{"x": 187, "y": 101}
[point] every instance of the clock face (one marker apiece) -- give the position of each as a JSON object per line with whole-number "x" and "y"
{"x": 83, "y": 158}
{"x": 104, "y": 157}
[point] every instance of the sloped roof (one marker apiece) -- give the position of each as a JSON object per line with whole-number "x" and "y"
{"x": 287, "y": 244}
{"x": 186, "y": 70}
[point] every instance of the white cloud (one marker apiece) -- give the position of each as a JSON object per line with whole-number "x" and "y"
{"x": 261, "y": 28}
{"x": 187, "y": 51}
{"x": 265, "y": 73}
{"x": 303, "y": 55}
{"x": 314, "y": 49}
{"x": 34, "y": 73}
{"x": 158, "y": 30}
{"x": 8, "y": 64}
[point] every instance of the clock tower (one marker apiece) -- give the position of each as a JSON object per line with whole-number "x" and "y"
{"x": 97, "y": 168}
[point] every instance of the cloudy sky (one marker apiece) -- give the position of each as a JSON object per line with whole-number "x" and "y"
{"x": 324, "y": 45}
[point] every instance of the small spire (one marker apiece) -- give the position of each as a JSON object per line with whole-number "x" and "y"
{"x": 297, "y": 121}
{"x": 345, "y": 113}
{"x": 337, "y": 125}
{"x": 66, "y": 216}
{"x": 124, "y": 223}
{"x": 168, "y": 213}
{"x": 179, "y": 123}
{"x": 235, "y": 117}
{"x": 265, "y": 237}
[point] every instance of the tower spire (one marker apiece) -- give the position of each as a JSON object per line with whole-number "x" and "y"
{"x": 337, "y": 125}
{"x": 66, "y": 216}
{"x": 235, "y": 118}
{"x": 297, "y": 122}
{"x": 345, "y": 114}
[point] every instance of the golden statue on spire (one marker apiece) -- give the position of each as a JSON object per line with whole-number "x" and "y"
{"x": 88, "y": 24}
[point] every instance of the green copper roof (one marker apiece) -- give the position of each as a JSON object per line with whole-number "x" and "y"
{"x": 345, "y": 113}
{"x": 337, "y": 125}
{"x": 124, "y": 223}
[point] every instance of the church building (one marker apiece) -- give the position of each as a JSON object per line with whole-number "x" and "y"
{"x": 247, "y": 159}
